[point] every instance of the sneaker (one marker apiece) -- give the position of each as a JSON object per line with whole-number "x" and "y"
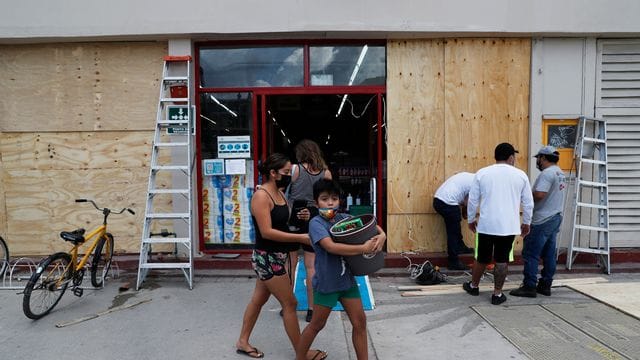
{"x": 524, "y": 291}
{"x": 309, "y": 316}
{"x": 497, "y": 300}
{"x": 471, "y": 290}
{"x": 543, "y": 288}
{"x": 457, "y": 266}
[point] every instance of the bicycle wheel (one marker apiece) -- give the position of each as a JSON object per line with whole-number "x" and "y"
{"x": 102, "y": 256}
{"x": 46, "y": 286}
{"x": 4, "y": 256}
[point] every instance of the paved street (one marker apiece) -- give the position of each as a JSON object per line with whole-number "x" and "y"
{"x": 168, "y": 321}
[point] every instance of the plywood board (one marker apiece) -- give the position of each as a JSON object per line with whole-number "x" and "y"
{"x": 486, "y": 101}
{"x": 75, "y": 150}
{"x": 80, "y": 86}
{"x": 415, "y": 96}
{"x": 3, "y": 208}
{"x": 415, "y": 232}
{"x": 40, "y": 204}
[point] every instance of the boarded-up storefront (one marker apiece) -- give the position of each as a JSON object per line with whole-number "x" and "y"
{"x": 450, "y": 103}
{"x": 76, "y": 122}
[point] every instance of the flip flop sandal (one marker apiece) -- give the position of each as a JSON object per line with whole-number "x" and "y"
{"x": 253, "y": 353}
{"x": 319, "y": 355}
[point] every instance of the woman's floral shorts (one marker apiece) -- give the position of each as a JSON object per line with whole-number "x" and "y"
{"x": 268, "y": 264}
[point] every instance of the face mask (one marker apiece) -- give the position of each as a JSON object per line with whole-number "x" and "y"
{"x": 284, "y": 181}
{"x": 328, "y": 213}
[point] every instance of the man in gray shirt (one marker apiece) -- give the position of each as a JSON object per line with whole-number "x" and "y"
{"x": 548, "y": 195}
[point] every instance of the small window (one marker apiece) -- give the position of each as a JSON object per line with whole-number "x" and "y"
{"x": 264, "y": 66}
{"x": 561, "y": 133}
{"x": 347, "y": 65}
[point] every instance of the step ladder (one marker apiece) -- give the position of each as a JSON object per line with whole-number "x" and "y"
{"x": 169, "y": 193}
{"x": 590, "y": 232}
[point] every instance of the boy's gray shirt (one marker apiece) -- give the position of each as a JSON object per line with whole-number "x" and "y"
{"x": 332, "y": 273}
{"x": 552, "y": 181}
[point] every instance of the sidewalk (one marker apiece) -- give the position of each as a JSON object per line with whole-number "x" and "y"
{"x": 168, "y": 321}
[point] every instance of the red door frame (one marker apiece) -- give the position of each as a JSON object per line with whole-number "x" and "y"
{"x": 262, "y": 93}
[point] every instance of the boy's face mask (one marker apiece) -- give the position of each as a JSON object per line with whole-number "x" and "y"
{"x": 328, "y": 213}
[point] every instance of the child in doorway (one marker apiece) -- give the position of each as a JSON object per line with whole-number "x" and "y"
{"x": 333, "y": 280}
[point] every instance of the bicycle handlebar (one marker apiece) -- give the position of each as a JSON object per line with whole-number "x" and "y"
{"x": 103, "y": 209}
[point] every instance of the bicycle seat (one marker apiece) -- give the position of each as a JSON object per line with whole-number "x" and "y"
{"x": 75, "y": 236}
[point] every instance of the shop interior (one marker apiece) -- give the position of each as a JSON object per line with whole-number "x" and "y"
{"x": 345, "y": 128}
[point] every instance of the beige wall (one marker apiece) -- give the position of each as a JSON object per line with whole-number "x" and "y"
{"x": 450, "y": 102}
{"x": 76, "y": 121}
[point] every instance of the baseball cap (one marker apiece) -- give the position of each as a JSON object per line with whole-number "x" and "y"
{"x": 504, "y": 150}
{"x": 547, "y": 150}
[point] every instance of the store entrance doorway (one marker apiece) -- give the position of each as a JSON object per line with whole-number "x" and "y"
{"x": 346, "y": 129}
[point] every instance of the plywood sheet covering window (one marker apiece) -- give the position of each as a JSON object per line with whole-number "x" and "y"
{"x": 415, "y": 125}
{"x": 79, "y": 86}
{"x": 450, "y": 102}
{"x": 43, "y": 173}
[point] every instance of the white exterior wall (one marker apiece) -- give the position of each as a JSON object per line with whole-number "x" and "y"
{"x": 46, "y": 20}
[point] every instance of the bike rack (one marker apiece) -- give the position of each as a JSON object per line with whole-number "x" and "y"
{"x": 17, "y": 271}
{"x": 16, "y": 275}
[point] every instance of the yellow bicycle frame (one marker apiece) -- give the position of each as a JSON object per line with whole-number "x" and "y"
{"x": 100, "y": 231}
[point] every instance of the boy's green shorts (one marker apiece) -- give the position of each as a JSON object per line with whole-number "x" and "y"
{"x": 331, "y": 299}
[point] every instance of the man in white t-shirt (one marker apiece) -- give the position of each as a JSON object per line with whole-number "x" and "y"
{"x": 448, "y": 201}
{"x": 498, "y": 191}
{"x": 548, "y": 195}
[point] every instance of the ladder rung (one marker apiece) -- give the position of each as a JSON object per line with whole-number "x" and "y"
{"x": 591, "y": 228}
{"x": 168, "y": 216}
{"x": 174, "y": 99}
{"x": 177, "y": 58}
{"x": 172, "y": 122}
{"x": 592, "y": 183}
{"x": 593, "y": 206}
{"x": 170, "y": 167}
{"x": 591, "y": 161}
{"x": 168, "y": 265}
{"x": 590, "y": 250}
{"x": 175, "y": 78}
{"x": 170, "y": 144}
{"x": 594, "y": 140}
{"x": 166, "y": 240}
{"x": 169, "y": 191}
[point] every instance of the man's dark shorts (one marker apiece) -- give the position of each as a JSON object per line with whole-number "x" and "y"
{"x": 498, "y": 247}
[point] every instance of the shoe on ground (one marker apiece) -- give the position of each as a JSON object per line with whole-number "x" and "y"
{"x": 309, "y": 316}
{"x": 471, "y": 290}
{"x": 524, "y": 291}
{"x": 543, "y": 289}
{"x": 497, "y": 300}
{"x": 457, "y": 266}
{"x": 466, "y": 250}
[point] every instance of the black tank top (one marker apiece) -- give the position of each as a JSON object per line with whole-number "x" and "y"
{"x": 279, "y": 221}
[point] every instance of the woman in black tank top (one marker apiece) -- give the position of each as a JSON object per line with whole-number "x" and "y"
{"x": 270, "y": 213}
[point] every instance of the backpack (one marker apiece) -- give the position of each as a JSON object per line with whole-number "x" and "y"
{"x": 427, "y": 274}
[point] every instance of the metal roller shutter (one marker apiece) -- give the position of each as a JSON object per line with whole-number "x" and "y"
{"x": 618, "y": 101}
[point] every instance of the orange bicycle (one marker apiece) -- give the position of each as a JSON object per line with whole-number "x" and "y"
{"x": 54, "y": 274}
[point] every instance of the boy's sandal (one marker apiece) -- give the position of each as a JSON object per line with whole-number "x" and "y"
{"x": 319, "y": 355}
{"x": 253, "y": 353}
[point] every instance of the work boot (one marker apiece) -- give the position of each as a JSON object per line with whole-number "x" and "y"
{"x": 543, "y": 288}
{"x": 524, "y": 291}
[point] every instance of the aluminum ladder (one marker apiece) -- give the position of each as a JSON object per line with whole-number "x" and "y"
{"x": 169, "y": 200}
{"x": 590, "y": 232}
